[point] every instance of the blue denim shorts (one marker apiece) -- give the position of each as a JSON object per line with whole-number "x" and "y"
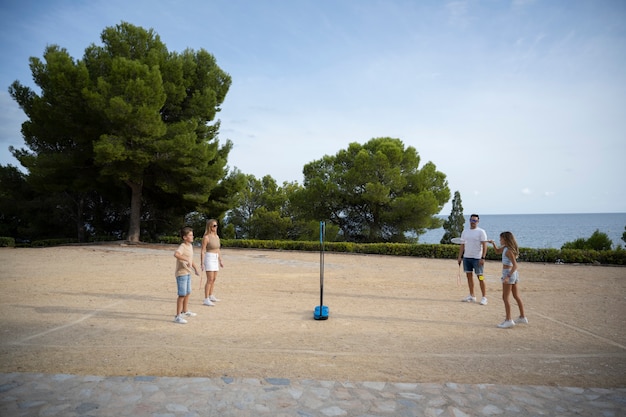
{"x": 184, "y": 285}
{"x": 471, "y": 264}
{"x": 513, "y": 279}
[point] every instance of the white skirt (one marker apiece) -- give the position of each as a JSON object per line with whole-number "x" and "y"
{"x": 211, "y": 261}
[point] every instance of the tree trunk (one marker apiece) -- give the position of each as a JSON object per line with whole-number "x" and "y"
{"x": 80, "y": 223}
{"x": 134, "y": 228}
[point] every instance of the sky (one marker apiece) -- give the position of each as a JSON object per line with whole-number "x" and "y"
{"x": 520, "y": 103}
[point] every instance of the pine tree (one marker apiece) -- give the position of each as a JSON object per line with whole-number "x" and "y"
{"x": 130, "y": 117}
{"x": 454, "y": 225}
{"x": 375, "y": 192}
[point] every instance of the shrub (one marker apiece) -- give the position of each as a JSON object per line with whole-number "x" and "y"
{"x": 7, "y": 242}
{"x": 52, "y": 242}
{"x": 435, "y": 251}
{"x": 597, "y": 241}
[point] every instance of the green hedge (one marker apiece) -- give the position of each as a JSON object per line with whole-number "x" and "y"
{"x": 170, "y": 240}
{"x": 52, "y": 242}
{"x": 7, "y": 242}
{"x": 435, "y": 251}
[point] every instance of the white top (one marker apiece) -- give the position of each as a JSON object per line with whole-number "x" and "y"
{"x": 473, "y": 239}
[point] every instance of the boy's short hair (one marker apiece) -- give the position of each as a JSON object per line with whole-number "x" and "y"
{"x": 184, "y": 231}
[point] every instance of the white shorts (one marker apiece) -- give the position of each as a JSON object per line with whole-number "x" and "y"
{"x": 211, "y": 261}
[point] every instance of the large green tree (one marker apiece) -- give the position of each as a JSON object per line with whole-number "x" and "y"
{"x": 375, "y": 192}
{"x": 262, "y": 210}
{"x": 158, "y": 107}
{"x": 15, "y": 195}
{"x": 58, "y": 133}
{"x": 454, "y": 225}
{"x": 130, "y": 114}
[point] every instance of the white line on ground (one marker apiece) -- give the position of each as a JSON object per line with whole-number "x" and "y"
{"x": 578, "y": 329}
{"x": 54, "y": 329}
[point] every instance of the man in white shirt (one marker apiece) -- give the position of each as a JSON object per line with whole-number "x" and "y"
{"x": 472, "y": 252}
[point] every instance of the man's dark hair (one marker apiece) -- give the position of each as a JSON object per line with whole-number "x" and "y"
{"x": 475, "y": 215}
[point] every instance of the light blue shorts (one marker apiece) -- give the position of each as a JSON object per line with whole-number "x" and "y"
{"x": 471, "y": 264}
{"x": 513, "y": 279}
{"x": 184, "y": 285}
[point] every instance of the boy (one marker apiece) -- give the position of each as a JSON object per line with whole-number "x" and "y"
{"x": 184, "y": 265}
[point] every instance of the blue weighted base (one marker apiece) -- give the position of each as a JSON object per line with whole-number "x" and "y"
{"x": 320, "y": 313}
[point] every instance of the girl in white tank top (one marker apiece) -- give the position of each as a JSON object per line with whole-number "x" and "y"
{"x": 510, "y": 278}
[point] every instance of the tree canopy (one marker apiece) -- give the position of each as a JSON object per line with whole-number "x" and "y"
{"x": 130, "y": 113}
{"x": 126, "y": 138}
{"x": 375, "y": 192}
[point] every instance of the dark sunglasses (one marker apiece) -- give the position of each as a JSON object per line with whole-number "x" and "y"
{"x": 214, "y": 225}
{"x": 473, "y": 220}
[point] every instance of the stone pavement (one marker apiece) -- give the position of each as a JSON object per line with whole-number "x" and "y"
{"x": 27, "y": 394}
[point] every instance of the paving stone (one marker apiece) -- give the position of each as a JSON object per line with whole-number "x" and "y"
{"x": 31, "y": 394}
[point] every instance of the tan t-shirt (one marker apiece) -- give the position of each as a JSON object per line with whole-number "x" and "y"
{"x": 186, "y": 249}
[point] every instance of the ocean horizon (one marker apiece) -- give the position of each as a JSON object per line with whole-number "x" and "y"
{"x": 542, "y": 231}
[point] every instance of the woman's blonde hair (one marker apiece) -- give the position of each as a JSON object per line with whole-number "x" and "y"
{"x": 209, "y": 223}
{"x": 510, "y": 242}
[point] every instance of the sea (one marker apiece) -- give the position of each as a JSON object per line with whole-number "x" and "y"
{"x": 541, "y": 231}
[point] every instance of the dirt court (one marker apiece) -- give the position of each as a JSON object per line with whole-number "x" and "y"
{"x": 109, "y": 310}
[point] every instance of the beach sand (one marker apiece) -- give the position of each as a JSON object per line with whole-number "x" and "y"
{"x": 109, "y": 310}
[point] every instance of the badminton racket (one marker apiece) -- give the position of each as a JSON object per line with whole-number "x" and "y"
{"x": 189, "y": 267}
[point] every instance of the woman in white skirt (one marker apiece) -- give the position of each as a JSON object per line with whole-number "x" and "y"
{"x": 211, "y": 260}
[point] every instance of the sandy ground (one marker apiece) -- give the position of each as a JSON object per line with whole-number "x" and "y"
{"x": 109, "y": 309}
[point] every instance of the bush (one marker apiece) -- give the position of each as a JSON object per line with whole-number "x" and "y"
{"x": 52, "y": 242}
{"x": 435, "y": 251}
{"x": 103, "y": 238}
{"x": 7, "y": 242}
{"x": 597, "y": 241}
{"x": 171, "y": 240}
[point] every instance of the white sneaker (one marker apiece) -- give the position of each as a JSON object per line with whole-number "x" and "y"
{"x": 179, "y": 319}
{"x": 469, "y": 299}
{"x": 483, "y": 301}
{"x": 189, "y": 314}
{"x": 212, "y": 298}
{"x": 208, "y": 302}
{"x": 506, "y": 324}
{"x": 521, "y": 320}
